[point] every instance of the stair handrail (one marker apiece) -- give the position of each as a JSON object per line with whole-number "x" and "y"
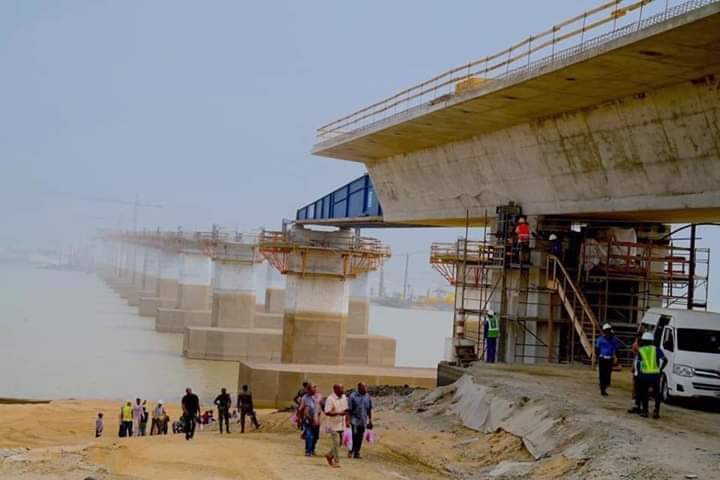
{"x": 578, "y": 296}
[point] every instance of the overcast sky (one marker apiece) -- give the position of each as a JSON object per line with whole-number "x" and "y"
{"x": 209, "y": 107}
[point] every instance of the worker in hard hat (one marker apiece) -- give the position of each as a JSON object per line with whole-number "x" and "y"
{"x": 555, "y": 245}
{"x": 649, "y": 365}
{"x": 522, "y": 233}
{"x": 606, "y": 346}
{"x": 491, "y": 330}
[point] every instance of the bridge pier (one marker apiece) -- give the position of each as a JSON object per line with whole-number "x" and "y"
{"x": 166, "y": 285}
{"x": 194, "y": 291}
{"x": 315, "y": 339}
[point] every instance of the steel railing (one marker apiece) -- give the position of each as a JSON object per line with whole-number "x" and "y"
{"x": 609, "y": 21}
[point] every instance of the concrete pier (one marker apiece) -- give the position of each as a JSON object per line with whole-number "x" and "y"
{"x": 359, "y": 305}
{"x": 315, "y": 339}
{"x": 193, "y": 298}
{"x": 166, "y": 285}
{"x": 233, "y": 297}
{"x": 274, "y": 291}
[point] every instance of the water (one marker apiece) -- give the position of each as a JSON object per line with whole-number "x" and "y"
{"x": 67, "y": 335}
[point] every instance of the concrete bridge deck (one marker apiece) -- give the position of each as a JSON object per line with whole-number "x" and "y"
{"x": 627, "y": 129}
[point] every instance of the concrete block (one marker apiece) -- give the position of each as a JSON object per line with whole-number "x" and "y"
{"x": 174, "y": 320}
{"x": 274, "y": 385}
{"x": 274, "y": 300}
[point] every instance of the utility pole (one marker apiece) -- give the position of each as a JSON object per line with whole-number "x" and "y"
{"x": 381, "y": 286}
{"x": 405, "y": 280}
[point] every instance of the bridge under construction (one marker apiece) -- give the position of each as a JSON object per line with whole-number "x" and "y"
{"x": 601, "y": 131}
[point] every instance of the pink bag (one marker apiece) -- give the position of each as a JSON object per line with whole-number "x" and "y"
{"x": 370, "y": 436}
{"x": 347, "y": 439}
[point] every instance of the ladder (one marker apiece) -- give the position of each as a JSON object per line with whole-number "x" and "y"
{"x": 575, "y": 303}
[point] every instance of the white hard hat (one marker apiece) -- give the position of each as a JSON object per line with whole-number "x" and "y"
{"x": 607, "y": 326}
{"x": 160, "y": 402}
{"x": 553, "y": 236}
{"x": 647, "y": 336}
{"x": 490, "y": 312}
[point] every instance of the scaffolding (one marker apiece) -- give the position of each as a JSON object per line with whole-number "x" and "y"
{"x": 551, "y": 311}
{"x": 358, "y": 254}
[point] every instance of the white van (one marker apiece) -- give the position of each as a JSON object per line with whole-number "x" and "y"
{"x": 691, "y": 342}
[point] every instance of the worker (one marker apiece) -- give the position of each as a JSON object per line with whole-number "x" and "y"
{"x": 606, "y": 347}
{"x": 126, "y": 420}
{"x": 650, "y": 363}
{"x": 522, "y": 232}
{"x": 555, "y": 246}
{"x": 491, "y": 334}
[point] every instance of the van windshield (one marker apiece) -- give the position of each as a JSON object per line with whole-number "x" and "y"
{"x": 697, "y": 340}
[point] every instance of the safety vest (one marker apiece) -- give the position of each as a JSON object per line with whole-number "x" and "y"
{"x": 127, "y": 413}
{"x": 493, "y": 327}
{"x": 648, "y": 360}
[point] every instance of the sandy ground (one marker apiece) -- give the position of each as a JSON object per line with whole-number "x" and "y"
{"x": 55, "y": 441}
{"x": 419, "y": 439}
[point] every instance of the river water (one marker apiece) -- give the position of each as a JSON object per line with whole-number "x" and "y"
{"x": 67, "y": 335}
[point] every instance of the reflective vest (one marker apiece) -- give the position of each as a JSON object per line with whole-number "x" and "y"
{"x": 127, "y": 413}
{"x": 648, "y": 360}
{"x": 493, "y": 327}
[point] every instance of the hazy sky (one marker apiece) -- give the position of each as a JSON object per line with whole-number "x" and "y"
{"x": 209, "y": 108}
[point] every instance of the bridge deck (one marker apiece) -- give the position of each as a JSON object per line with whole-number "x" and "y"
{"x": 637, "y": 59}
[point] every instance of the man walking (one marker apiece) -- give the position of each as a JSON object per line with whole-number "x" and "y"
{"x": 650, "y": 363}
{"x": 190, "y": 407}
{"x": 223, "y": 403}
{"x": 245, "y": 405}
{"x": 309, "y": 417}
{"x": 158, "y": 416}
{"x": 360, "y": 406}
{"x": 336, "y": 409}
{"x": 606, "y": 346}
{"x": 137, "y": 414}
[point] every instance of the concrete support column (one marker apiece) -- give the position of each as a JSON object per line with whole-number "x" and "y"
{"x": 168, "y": 274}
{"x": 162, "y": 291}
{"x": 233, "y": 299}
{"x": 150, "y": 271}
{"x": 274, "y": 291}
{"x": 359, "y": 305}
{"x": 317, "y": 297}
{"x": 139, "y": 267}
{"x": 194, "y": 281}
{"x": 315, "y": 320}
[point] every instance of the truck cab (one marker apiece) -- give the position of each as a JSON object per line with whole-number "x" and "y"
{"x": 690, "y": 341}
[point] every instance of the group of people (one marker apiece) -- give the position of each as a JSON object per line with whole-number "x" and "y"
{"x": 134, "y": 418}
{"x": 648, "y": 365}
{"x": 342, "y": 413}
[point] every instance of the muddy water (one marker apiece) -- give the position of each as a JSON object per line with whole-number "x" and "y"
{"x": 66, "y": 335}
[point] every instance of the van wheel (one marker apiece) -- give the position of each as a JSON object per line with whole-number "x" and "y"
{"x": 665, "y": 390}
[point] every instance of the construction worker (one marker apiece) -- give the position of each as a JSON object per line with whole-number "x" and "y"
{"x": 555, "y": 246}
{"x": 491, "y": 334}
{"x": 606, "y": 346}
{"x": 126, "y": 420}
{"x": 522, "y": 233}
{"x": 649, "y": 365}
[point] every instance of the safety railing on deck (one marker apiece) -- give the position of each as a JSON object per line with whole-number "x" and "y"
{"x": 608, "y": 21}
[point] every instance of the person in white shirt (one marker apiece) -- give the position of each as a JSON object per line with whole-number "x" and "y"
{"x": 336, "y": 411}
{"x": 137, "y": 413}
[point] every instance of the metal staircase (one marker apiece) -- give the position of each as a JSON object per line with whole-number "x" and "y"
{"x": 575, "y": 303}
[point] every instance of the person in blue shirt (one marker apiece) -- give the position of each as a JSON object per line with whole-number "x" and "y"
{"x": 649, "y": 364}
{"x": 606, "y": 346}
